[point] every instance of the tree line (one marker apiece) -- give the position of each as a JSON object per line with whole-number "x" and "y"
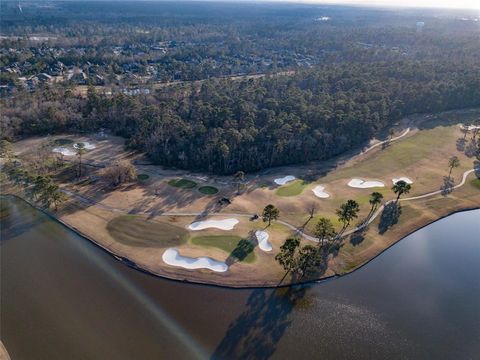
{"x": 224, "y": 126}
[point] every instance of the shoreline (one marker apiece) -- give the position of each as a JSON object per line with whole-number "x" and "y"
{"x": 132, "y": 264}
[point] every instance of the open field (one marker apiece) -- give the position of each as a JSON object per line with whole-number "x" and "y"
{"x": 134, "y": 230}
{"x": 139, "y": 221}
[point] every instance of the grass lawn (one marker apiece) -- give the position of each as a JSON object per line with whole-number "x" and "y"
{"x": 135, "y": 230}
{"x": 62, "y": 142}
{"x": 399, "y": 155}
{"x": 143, "y": 177}
{"x": 182, "y": 183}
{"x": 364, "y": 199}
{"x": 475, "y": 183}
{"x": 227, "y": 243}
{"x": 294, "y": 188}
{"x": 208, "y": 190}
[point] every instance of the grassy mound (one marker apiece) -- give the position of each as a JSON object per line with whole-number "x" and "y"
{"x": 143, "y": 177}
{"x": 232, "y": 244}
{"x": 135, "y": 230}
{"x": 208, "y": 190}
{"x": 182, "y": 183}
{"x": 62, "y": 142}
{"x": 292, "y": 189}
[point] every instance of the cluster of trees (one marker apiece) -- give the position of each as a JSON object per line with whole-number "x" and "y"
{"x": 119, "y": 172}
{"x": 40, "y": 188}
{"x": 309, "y": 260}
{"x": 225, "y": 126}
{"x": 352, "y": 77}
{"x": 32, "y": 175}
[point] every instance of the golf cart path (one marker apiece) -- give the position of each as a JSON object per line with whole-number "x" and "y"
{"x": 407, "y": 130}
{"x": 298, "y": 231}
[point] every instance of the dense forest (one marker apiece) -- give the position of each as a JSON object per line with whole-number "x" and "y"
{"x": 351, "y": 75}
{"x": 223, "y": 126}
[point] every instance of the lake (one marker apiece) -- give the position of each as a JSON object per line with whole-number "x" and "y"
{"x": 64, "y": 298}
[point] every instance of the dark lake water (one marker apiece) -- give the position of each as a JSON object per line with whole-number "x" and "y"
{"x": 64, "y": 298}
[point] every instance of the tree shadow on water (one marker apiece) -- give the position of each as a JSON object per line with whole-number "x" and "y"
{"x": 257, "y": 331}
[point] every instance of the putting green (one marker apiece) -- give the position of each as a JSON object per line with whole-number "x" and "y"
{"x": 182, "y": 183}
{"x": 208, "y": 190}
{"x": 228, "y": 243}
{"x": 292, "y": 189}
{"x": 137, "y": 231}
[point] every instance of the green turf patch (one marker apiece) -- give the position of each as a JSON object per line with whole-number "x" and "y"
{"x": 182, "y": 183}
{"x": 62, "y": 142}
{"x": 475, "y": 183}
{"x": 364, "y": 199}
{"x": 292, "y": 189}
{"x": 231, "y": 244}
{"x": 143, "y": 177}
{"x": 398, "y": 155}
{"x": 136, "y": 231}
{"x": 208, "y": 190}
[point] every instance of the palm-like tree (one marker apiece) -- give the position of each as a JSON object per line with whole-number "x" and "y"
{"x": 453, "y": 162}
{"x": 239, "y": 177}
{"x": 270, "y": 212}
{"x": 400, "y": 188}
{"x": 40, "y": 184}
{"x": 286, "y": 257}
{"x": 375, "y": 200}
{"x": 347, "y": 212}
{"x": 57, "y": 196}
{"x": 80, "y": 147}
{"x": 324, "y": 230}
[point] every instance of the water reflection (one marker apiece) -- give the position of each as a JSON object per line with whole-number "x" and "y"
{"x": 256, "y": 332}
{"x": 63, "y": 298}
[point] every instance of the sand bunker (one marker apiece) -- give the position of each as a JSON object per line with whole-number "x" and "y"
{"x": 403, "y": 178}
{"x": 319, "y": 191}
{"x": 284, "y": 180}
{"x": 362, "y": 184}
{"x": 263, "y": 243}
{"x": 225, "y": 224}
{"x": 470, "y": 127}
{"x": 88, "y": 145}
{"x": 173, "y": 258}
{"x": 64, "y": 151}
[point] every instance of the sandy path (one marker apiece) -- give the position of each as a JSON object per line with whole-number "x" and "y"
{"x": 407, "y": 130}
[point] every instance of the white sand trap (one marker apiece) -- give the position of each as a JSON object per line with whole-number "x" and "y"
{"x": 173, "y": 258}
{"x": 225, "y": 224}
{"x": 403, "y": 178}
{"x": 319, "y": 191}
{"x": 284, "y": 180}
{"x": 362, "y": 184}
{"x": 470, "y": 127}
{"x": 88, "y": 145}
{"x": 64, "y": 151}
{"x": 263, "y": 243}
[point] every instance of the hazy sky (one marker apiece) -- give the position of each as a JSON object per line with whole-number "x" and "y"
{"x": 461, "y": 4}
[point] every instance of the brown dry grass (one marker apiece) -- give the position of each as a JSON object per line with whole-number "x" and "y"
{"x": 422, "y": 156}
